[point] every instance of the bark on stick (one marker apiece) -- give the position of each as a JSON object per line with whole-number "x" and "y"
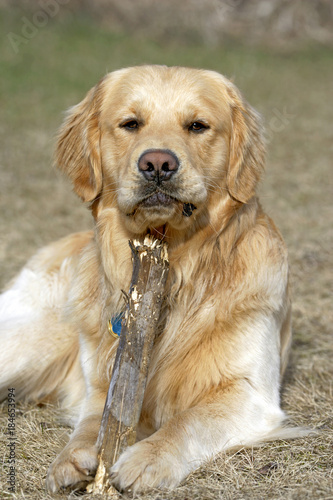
{"x": 129, "y": 376}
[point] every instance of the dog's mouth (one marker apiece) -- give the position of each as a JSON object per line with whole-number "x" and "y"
{"x": 158, "y": 199}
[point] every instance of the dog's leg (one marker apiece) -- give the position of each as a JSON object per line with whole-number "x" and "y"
{"x": 240, "y": 411}
{"x": 77, "y": 463}
{"x": 231, "y": 417}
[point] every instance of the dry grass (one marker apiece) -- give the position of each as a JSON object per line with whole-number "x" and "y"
{"x": 53, "y": 71}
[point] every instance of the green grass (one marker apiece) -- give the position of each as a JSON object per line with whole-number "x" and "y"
{"x": 52, "y": 72}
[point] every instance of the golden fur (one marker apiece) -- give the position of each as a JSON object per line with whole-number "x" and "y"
{"x": 225, "y": 328}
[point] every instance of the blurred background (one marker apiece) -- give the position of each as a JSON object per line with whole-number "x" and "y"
{"x": 279, "y": 53}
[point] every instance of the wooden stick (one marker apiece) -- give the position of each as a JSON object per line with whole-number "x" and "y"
{"x": 129, "y": 376}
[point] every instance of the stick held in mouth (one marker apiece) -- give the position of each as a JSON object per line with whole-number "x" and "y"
{"x": 129, "y": 376}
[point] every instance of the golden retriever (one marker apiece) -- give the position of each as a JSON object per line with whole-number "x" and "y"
{"x": 176, "y": 152}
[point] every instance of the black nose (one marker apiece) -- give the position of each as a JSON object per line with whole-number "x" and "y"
{"x": 158, "y": 165}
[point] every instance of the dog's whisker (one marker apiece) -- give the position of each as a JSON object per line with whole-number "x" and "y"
{"x": 214, "y": 187}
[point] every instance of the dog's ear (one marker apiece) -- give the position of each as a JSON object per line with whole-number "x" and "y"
{"x": 247, "y": 150}
{"x": 78, "y": 149}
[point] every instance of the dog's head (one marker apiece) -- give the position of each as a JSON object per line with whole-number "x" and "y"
{"x": 163, "y": 145}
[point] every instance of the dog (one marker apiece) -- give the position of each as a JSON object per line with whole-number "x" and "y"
{"x": 177, "y": 153}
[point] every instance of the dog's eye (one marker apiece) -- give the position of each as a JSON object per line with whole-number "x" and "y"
{"x": 130, "y": 125}
{"x": 198, "y": 127}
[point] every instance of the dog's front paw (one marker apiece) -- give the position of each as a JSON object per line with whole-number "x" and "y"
{"x": 148, "y": 464}
{"x": 74, "y": 467}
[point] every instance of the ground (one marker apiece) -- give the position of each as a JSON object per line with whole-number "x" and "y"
{"x": 51, "y": 71}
